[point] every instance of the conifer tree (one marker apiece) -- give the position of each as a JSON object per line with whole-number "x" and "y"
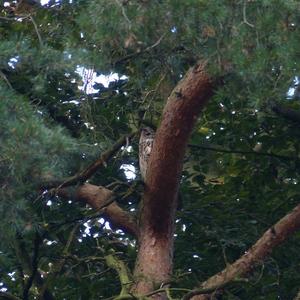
{"x": 218, "y": 81}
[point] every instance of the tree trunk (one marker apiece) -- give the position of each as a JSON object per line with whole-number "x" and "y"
{"x": 154, "y": 262}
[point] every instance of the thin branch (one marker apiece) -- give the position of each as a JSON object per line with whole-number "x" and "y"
{"x": 222, "y": 150}
{"x": 156, "y": 43}
{"x": 123, "y": 272}
{"x": 36, "y": 30}
{"x": 99, "y": 211}
{"x": 33, "y": 22}
{"x": 92, "y": 168}
{"x": 164, "y": 290}
{"x": 70, "y": 239}
{"x": 25, "y": 261}
{"x": 60, "y": 263}
{"x": 130, "y": 56}
{"x": 84, "y": 259}
{"x": 7, "y": 19}
{"x": 245, "y": 15}
{"x": 8, "y": 296}
{"x": 6, "y": 80}
{"x": 28, "y": 285}
{"x": 124, "y": 13}
{"x": 203, "y": 291}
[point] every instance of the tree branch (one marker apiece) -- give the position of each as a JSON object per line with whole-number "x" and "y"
{"x": 6, "y": 80}
{"x": 103, "y": 201}
{"x": 124, "y": 275}
{"x": 25, "y": 261}
{"x": 135, "y": 54}
{"x": 8, "y": 296}
{"x": 92, "y": 168}
{"x": 37, "y": 31}
{"x": 58, "y": 266}
{"x": 274, "y": 236}
{"x": 222, "y": 150}
{"x": 34, "y": 262}
{"x": 98, "y": 198}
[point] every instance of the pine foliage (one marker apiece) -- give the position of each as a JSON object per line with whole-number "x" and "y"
{"x": 241, "y": 172}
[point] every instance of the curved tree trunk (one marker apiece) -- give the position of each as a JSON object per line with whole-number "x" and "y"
{"x": 154, "y": 262}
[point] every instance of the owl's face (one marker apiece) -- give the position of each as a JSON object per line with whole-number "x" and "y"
{"x": 147, "y": 132}
{"x": 146, "y": 141}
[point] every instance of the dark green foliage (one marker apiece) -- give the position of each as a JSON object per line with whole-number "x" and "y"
{"x": 29, "y": 151}
{"x": 242, "y": 176}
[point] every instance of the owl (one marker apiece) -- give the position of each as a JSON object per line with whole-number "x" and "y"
{"x": 145, "y": 147}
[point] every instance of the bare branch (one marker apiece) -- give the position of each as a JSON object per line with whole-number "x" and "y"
{"x": 97, "y": 196}
{"x": 36, "y": 30}
{"x": 130, "y": 56}
{"x": 26, "y": 263}
{"x": 222, "y": 150}
{"x": 57, "y": 267}
{"x": 34, "y": 261}
{"x": 124, "y": 13}
{"x": 7, "y": 19}
{"x": 123, "y": 272}
{"x": 8, "y": 296}
{"x": 245, "y": 15}
{"x": 92, "y": 168}
{"x": 6, "y": 80}
{"x": 274, "y": 236}
{"x": 103, "y": 201}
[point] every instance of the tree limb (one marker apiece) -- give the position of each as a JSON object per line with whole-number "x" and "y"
{"x": 98, "y": 198}
{"x": 92, "y": 168}
{"x": 34, "y": 267}
{"x": 274, "y": 236}
{"x": 36, "y": 30}
{"x": 124, "y": 275}
{"x": 25, "y": 261}
{"x": 58, "y": 266}
{"x": 8, "y": 296}
{"x": 103, "y": 200}
{"x": 6, "y": 80}
{"x": 222, "y": 150}
{"x": 135, "y": 54}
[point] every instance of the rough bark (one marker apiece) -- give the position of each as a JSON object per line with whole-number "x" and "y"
{"x": 102, "y": 199}
{"x": 154, "y": 261}
{"x": 253, "y": 257}
{"x": 97, "y": 197}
